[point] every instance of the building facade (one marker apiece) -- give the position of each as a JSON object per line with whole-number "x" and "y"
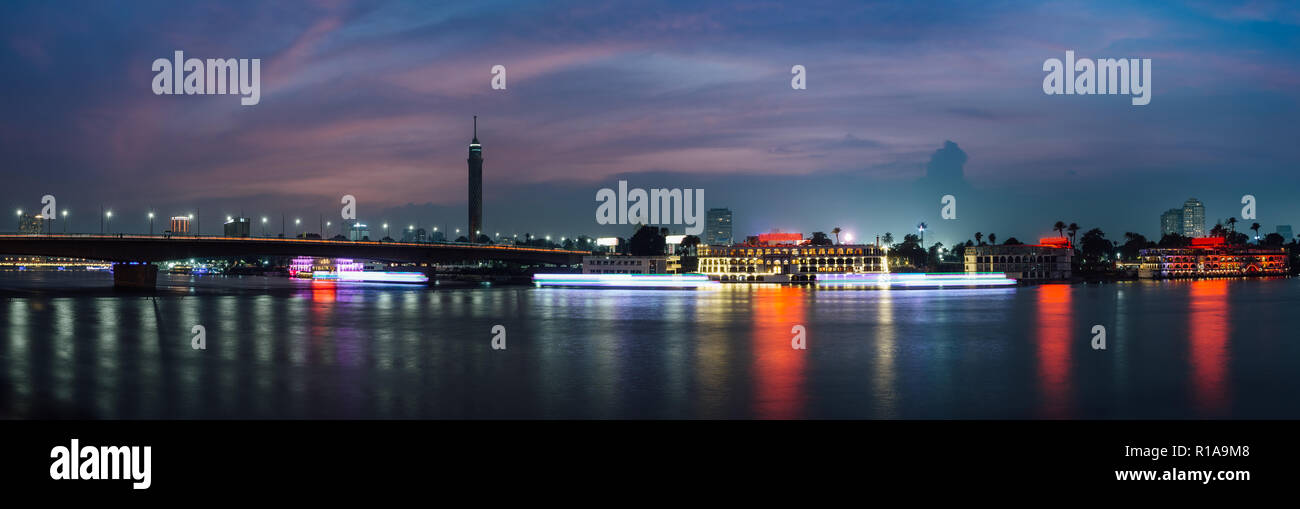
{"x": 787, "y": 257}
{"x": 1050, "y": 259}
{"x": 617, "y": 264}
{"x": 717, "y": 228}
{"x": 31, "y": 224}
{"x": 1212, "y": 257}
{"x": 180, "y": 225}
{"x": 1171, "y": 222}
{"x": 1193, "y": 218}
{"x": 358, "y": 231}
{"x": 238, "y": 227}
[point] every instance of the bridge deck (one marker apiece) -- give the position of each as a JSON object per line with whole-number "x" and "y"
{"x": 156, "y": 248}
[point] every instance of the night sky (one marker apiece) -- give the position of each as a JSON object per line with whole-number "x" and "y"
{"x": 904, "y": 104}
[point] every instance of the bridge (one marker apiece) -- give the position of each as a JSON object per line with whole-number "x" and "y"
{"x": 123, "y": 249}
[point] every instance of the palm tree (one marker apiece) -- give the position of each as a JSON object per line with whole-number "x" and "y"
{"x": 836, "y": 231}
{"x": 1074, "y": 231}
{"x": 979, "y": 238}
{"x": 888, "y": 239}
{"x": 993, "y": 239}
{"x": 1060, "y": 228}
{"x": 1232, "y": 223}
{"x": 1255, "y": 226}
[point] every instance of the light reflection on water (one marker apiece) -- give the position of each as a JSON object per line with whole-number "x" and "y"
{"x": 279, "y": 348}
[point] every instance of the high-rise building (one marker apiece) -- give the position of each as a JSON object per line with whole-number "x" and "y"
{"x": 475, "y": 186}
{"x": 414, "y": 235}
{"x": 180, "y": 224}
{"x": 238, "y": 227}
{"x": 31, "y": 225}
{"x": 1171, "y": 222}
{"x": 1193, "y": 218}
{"x": 1285, "y": 231}
{"x": 717, "y": 228}
{"x": 358, "y": 231}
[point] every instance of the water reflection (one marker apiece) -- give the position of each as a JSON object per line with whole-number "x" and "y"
{"x": 883, "y": 381}
{"x": 779, "y": 369}
{"x": 1055, "y": 331}
{"x": 1208, "y": 315}
{"x": 313, "y": 350}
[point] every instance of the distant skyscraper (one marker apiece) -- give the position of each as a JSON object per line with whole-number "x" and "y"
{"x": 475, "y": 186}
{"x": 238, "y": 227}
{"x": 31, "y": 225}
{"x": 1285, "y": 231}
{"x": 180, "y": 224}
{"x": 1171, "y": 222}
{"x": 717, "y": 230}
{"x": 1193, "y": 218}
{"x": 358, "y": 231}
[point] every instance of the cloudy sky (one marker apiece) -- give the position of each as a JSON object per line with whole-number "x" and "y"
{"x": 375, "y": 99}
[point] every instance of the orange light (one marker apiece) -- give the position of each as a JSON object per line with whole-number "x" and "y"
{"x": 1054, "y": 242}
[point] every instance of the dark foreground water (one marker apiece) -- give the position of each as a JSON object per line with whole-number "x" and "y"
{"x": 71, "y": 346}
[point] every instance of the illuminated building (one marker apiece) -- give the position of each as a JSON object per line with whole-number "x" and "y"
{"x": 1049, "y": 259}
{"x": 358, "y": 231}
{"x": 238, "y": 227}
{"x": 180, "y": 224}
{"x": 717, "y": 227}
{"x": 1193, "y": 218}
{"x": 1171, "y": 222}
{"x": 787, "y": 257}
{"x": 31, "y": 225}
{"x": 1212, "y": 257}
{"x": 616, "y": 264}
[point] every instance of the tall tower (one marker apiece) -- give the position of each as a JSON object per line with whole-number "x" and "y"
{"x": 475, "y": 186}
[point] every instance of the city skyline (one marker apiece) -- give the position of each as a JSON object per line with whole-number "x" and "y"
{"x": 373, "y": 101}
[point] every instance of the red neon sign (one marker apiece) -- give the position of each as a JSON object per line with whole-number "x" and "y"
{"x": 766, "y": 238}
{"x": 1208, "y": 242}
{"x": 1054, "y": 242}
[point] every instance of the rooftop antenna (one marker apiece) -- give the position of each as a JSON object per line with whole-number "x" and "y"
{"x": 476, "y": 126}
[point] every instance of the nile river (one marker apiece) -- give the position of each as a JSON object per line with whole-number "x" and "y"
{"x": 73, "y": 347}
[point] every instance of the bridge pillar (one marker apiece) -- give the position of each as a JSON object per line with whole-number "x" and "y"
{"x": 140, "y": 276}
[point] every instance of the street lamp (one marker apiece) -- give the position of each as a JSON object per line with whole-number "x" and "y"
{"x": 109, "y": 216}
{"x": 151, "y": 222}
{"x": 65, "y": 221}
{"x": 386, "y": 231}
{"x": 296, "y": 222}
{"x": 263, "y": 226}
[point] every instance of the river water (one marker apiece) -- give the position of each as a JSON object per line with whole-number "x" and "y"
{"x": 73, "y": 347}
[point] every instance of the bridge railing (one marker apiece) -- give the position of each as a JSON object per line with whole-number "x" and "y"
{"x": 224, "y": 238}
